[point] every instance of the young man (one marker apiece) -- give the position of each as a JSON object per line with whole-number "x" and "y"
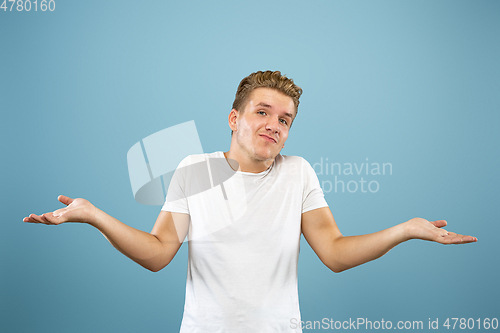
{"x": 244, "y": 232}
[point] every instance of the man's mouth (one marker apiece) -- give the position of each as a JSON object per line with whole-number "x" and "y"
{"x": 268, "y": 138}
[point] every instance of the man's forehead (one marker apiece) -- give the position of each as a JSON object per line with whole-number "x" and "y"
{"x": 267, "y": 106}
{"x": 272, "y": 99}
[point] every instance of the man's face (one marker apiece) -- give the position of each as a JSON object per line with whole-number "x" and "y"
{"x": 262, "y": 129}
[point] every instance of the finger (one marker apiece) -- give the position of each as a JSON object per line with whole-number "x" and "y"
{"x": 44, "y": 218}
{"x": 36, "y": 219}
{"x": 29, "y": 219}
{"x": 439, "y": 223}
{"x": 469, "y": 239}
{"x": 454, "y": 238}
{"x": 461, "y": 239}
{"x": 50, "y": 219}
{"x": 65, "y": 200}
{"x": 442, "y": 232}
{"x": 33, "y": 218}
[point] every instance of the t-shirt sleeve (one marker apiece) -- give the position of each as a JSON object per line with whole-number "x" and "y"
{"x": 176, "y": 200}
{"x": 312, "y": 197}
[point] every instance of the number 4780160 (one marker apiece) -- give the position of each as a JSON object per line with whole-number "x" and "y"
{"x": 27, "y": 5}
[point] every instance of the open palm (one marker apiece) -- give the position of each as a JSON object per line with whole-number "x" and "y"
{"x": 419, "y": 228}
{"x": 76, "y": 210}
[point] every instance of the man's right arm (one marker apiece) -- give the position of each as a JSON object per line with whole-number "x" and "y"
{"x": 152, "y": 250}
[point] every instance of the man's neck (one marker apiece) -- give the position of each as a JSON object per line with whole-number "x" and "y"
{"x": 247, "y": 164}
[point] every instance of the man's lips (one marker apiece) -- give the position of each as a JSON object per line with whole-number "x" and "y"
{"x": 268, "y": 138}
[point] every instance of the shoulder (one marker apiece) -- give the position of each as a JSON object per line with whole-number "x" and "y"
{"x": 293, "y": 165}
{"x": 291, "y": 160}
{"x": 197, "y": 158}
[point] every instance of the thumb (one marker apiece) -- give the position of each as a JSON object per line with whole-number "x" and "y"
{"x": 65, "y": 200}
{"x": 439, "y": 223}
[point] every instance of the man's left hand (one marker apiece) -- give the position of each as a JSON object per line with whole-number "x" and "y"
{"x": 418, "y": 228}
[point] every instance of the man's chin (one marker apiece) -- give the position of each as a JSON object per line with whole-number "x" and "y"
{"x": 266, "y": 156}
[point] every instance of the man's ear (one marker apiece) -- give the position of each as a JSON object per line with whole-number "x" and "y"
{"x": 233, "y": 116}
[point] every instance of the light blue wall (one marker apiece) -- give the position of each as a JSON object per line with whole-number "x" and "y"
{"x": 412, "y": 83}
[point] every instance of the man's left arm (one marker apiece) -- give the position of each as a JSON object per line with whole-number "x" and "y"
{"x": 340, "y": 252}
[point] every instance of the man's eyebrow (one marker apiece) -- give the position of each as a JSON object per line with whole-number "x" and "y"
{"x": 265, "y": 105}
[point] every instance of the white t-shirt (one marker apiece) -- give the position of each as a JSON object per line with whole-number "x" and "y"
{"x": 244, "y": 241}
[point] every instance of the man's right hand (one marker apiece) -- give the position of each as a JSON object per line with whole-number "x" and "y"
{"x": 77, "y": 210}
{"x": 152, "y": 250}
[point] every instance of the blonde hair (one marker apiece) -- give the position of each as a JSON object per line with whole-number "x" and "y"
{"x": 267, "y": 79}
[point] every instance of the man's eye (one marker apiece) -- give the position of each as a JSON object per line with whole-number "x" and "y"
{"x": 261, "y": 112}
{"x": 284, "y": 122}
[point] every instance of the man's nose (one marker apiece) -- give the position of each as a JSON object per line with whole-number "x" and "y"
{"x": 273, "y": 124}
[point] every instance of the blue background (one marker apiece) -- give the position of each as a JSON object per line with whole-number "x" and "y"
{"x": 411, "y": 83}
